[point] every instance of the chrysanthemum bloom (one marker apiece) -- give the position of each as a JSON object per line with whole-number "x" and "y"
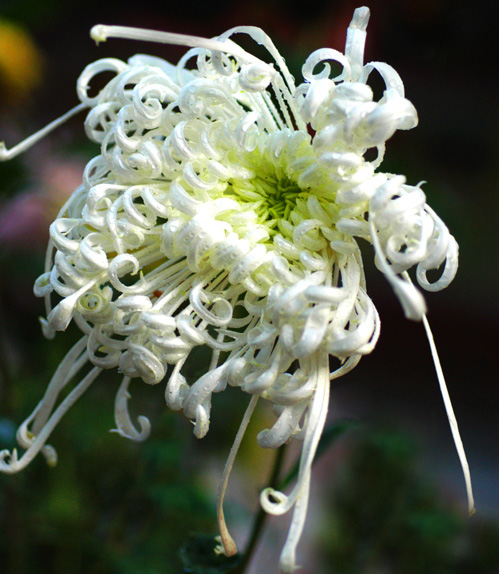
{"x": 224, "y": 211}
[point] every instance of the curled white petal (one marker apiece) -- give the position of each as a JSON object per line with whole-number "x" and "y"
{"x": 124, "y": 425}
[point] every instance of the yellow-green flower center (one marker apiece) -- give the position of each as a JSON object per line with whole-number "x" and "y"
{"x": 273, "y": 198}
{"x": 272, "y": 183}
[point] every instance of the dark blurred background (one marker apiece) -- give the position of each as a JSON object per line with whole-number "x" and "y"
{"x": 387, "y": 497}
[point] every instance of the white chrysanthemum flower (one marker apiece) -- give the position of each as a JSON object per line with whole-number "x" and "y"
{"x": 212, "y": 217}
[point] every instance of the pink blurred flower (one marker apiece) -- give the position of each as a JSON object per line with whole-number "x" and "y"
{"x": 25, "y": 218}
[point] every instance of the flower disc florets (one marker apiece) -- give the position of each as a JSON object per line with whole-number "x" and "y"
{"x": 211, "y": 217}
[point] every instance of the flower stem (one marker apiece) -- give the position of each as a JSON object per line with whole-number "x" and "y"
{"x": 261, "y": 516}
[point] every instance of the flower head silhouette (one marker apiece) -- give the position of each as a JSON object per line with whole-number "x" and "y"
{"x": 224, "y": 210}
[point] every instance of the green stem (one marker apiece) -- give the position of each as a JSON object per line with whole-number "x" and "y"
{"x": 261, "y": 517}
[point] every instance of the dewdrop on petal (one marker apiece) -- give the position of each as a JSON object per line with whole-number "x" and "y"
{"x": 238, "y": 231}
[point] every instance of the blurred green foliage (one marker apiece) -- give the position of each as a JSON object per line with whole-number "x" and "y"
{"x": 110, "y": 506}
{"x": 386, "y": 517}
{"x": 199, "y": 556}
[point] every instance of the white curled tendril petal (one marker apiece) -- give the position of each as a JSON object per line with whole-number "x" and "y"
{"x": 224, "y": 211}
{"x": 124, "y": 425}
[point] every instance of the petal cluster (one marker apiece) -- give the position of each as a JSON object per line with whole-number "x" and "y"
{"x": 224, "y": 211}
